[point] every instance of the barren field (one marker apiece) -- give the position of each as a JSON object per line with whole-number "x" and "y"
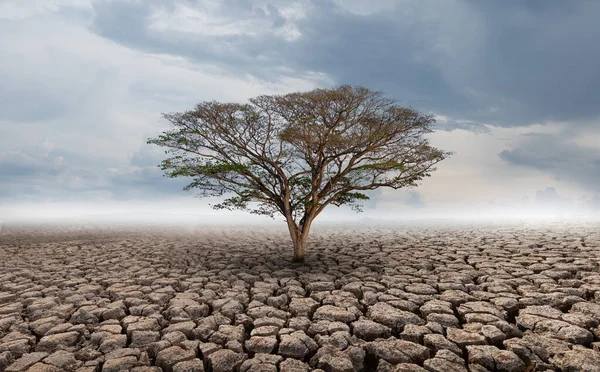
{"x": 442, "y": 299}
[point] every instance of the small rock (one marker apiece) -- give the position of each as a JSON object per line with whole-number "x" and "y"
{"x": 57, "y": 341}
{"x": 293, "y": 365}
{"x": 296, "y": 345}
{"x": 463, "y": 338}
{"x": 193, "y": 365}
{"x": 82, "y": 316}
{"x": 493, "y": 358}
{"x": 580, "y": 359}
{"x": 119, "y": 364}
{"x": 143, "y": 338}
{"x": 42, "y": 367}
{"x": 26, "y": 361}
{"x": 389, "y": 316}
{"x": 398, "y": 351}
{"x": 438, "y": 342}
{"x": 225, "y": 360}
{"x": 331, "y": 359}
{"x": 64, "y": 360}
{"x": 334, "y": 314}
{"x": 261, "y": 344}
{"x": 170, "y": 356}
{"x": 369, "y": 330}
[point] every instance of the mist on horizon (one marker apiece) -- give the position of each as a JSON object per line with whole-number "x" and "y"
{"x": 186, "y": 213}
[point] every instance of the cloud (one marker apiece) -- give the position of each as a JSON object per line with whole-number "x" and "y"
{"x": 94, "y": 103}
{"x": 594, "y": 203}
{"x": 228, "y": 33}
{"x": 54, "y": 174}
{"x": 16, "y": 164}
{"x": 563, "y": 159}
{"x": 415, "y": 200}
{"x": 17, "y": 9}
{"x": 514, "y": 88}
{"x": 384, "y": 198}
{"x": 548, "y": 196}
{"x": 147, "y": 156}
{"x": 504, "y": 65}
{"x": 548, "y": 200}
{"x": 445, "y": 123}
{"x": 538, "y": 57}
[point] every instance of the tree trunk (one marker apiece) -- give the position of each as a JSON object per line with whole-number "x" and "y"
{"x": 299, "y": 246}
{"x": 299, "y": 237}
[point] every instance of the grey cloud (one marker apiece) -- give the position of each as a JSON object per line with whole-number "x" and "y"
{"x": 549, "y": 200}
{"x": 374, "y": 198}
{"x": 560, "y": 158}
{"x": 147, "y": 156}
{"x": 158, "y": 91}
{"x": 348, "y": 47}
{"x": 129, "y": 24}
{"x": 17, "y": 164}
{"x": 144, "y": 183}
{"x": 379, "y": 201}
{"x": 29, "y": 93}
{"x": 142, "y": 179}
{"x": 16, "y": 191}
{"x": 415, "y": 200}
{"x": 548, "y": 196}
{"x": 48, "y": 86}
{"x": 64, "y": 175}
{"x": 78, "y": 160}
{"x": 28, "y": 100}
{"x": 540, "y": 55}
{"x": 473, "y": 62}
{"x": 26, "y": 177}
{"x": 512, "y": 64}
{"x": 594, "y": 203}
{"x": 453, "y": 124}
{"x": 44, "y": 107}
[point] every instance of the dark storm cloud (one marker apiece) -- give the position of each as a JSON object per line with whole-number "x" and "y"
{"x": 350, "y": 48}
{"x": 505, "y": 63}
{"x": 542, "y": 55}
{"x": 563, "y": 159}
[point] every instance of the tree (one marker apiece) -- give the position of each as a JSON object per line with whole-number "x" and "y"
{"x": 295, "y": 154}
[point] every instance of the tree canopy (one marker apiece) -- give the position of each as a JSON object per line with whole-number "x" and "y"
{"x": 297, "y": 153}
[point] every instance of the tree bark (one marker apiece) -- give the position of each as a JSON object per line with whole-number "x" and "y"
{"x": 299, "y": 246}
{"x": 299, "y": 236}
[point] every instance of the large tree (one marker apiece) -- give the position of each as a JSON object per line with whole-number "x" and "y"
{"x": 297, "y": 153}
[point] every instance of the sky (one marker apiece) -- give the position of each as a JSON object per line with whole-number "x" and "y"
{"x": 514, "y": 86}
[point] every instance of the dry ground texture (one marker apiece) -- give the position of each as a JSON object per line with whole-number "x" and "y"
{"x": 495, "y": 298}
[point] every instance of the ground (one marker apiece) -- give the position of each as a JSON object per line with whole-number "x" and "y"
{"x": 521, "y": 297}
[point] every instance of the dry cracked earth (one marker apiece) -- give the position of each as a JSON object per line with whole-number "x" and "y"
{"x": 448, "y": 299}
